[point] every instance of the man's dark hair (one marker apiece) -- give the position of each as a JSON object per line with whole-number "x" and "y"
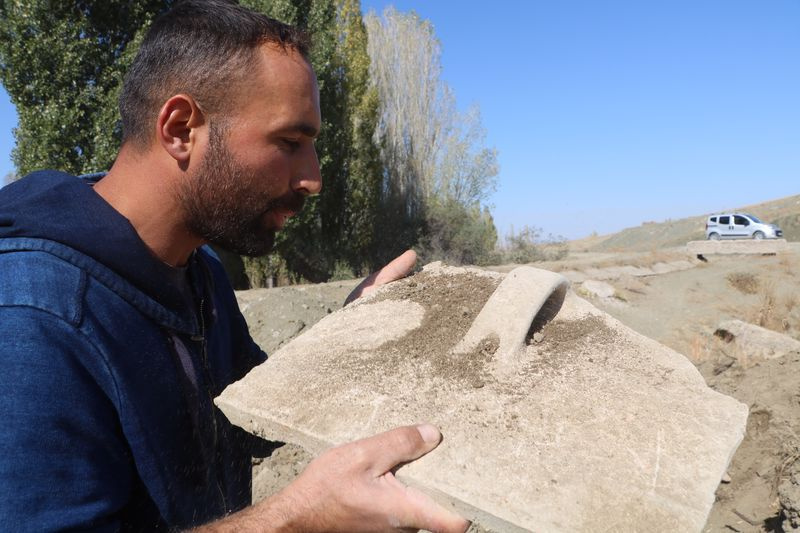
{"x": 203, "y": 48}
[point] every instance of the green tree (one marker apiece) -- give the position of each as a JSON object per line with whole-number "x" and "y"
{"x": 62, "y": 64}
{"x": 437, "y": 172}
{"x": 528, "y": 246}
{"x": 458, "y": 234}
{"x": 365, "y": 248}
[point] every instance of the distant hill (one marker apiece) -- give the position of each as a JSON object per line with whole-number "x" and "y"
{"x": 784, "y": 212}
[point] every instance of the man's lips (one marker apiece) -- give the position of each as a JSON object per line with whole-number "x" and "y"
{"x": 279, "y": 213}
{"x": 283, "y": 215}
{"x": 276, "y": 218}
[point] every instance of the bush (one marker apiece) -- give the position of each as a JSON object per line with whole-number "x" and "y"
{"x": 458, "y": 235}
{"x": 265, "y": 271}
{"x": 744, "y": 282}
{"x": 527, "y": 246}
{"x": 342, "y": 272}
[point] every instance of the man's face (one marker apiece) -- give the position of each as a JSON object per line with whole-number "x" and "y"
{"x": 260, "y": 162}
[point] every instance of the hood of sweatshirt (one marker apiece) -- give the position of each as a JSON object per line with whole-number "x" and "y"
{"x": 60, "y": 208}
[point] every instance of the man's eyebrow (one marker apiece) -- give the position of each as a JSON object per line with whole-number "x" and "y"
{"x": 303, "y": 127}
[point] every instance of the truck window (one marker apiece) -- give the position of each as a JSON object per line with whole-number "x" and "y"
{"x": 740, "y": 221}
{"x": 725, "y": 220}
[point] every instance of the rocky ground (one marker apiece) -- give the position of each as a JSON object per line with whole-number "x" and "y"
{"x": 680, "y": 307}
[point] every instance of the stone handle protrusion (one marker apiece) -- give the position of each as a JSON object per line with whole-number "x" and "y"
{"x": 526, "y": 296}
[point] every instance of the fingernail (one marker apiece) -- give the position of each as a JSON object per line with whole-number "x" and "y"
{"x": 429, "y": 433}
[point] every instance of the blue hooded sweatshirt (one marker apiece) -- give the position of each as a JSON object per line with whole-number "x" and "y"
{"x": 109, "y": 361}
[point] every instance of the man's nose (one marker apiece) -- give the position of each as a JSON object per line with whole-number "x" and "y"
{"x": 309, "y": 180}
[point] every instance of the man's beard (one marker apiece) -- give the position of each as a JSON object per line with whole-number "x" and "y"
{"x": 221, "y": 207}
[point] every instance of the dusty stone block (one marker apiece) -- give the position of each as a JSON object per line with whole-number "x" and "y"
{"x": 755, "y": 343}
{"x": 629, "y": 270}
{"x": 574, "y": 276}
{"x": 592, "y": 427}
{"x": 736, "y": 246}
{"x": 600, "y": 273}
{"x": 663, "y": 268}
{"x": 598, "y": 289}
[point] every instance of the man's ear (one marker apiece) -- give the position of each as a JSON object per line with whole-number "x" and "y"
{"x": 177, "y": 128}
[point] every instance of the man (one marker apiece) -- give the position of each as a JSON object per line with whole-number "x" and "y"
{"x": 117, "y": 329}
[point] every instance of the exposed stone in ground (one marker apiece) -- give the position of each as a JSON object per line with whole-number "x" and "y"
{"x": 597, "y": 289}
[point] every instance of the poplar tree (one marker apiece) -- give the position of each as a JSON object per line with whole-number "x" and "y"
{"x": 366, "y": 248}
{"x": 437, "y": 172}
{"x": 62, "y": 64}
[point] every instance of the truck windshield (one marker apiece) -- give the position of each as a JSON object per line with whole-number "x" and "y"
{"x": 754, "y": 219}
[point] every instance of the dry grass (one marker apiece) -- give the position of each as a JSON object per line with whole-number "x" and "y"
{"x": 744, "y": 282}
{"x": 662, "y": 256}
{"x": 698, "y": 350}
{"x": 765, "y": 315}
{"x": 773, "y": 312}
{"x": 787, "y": 264}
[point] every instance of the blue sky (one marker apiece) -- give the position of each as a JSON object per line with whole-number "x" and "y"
{"x": 608, "y": 114}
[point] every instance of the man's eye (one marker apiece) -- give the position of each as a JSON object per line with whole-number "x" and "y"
{"x": 291, "y": 144}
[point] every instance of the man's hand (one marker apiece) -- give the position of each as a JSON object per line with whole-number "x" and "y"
{"x": 398, "y": 268}
{"x": 351, "y": 488}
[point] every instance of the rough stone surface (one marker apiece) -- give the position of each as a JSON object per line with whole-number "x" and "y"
{"x": 789, "y": 496}
{"x": 599, "y": 273}
{"x": 629, "y": 270}
{"x": 755, "y": 343}
{"x": 736, "y": 246}
{"x": 611, "y": 273}
{"x": 598, "y": 289}
{"x": 574, "y": 276}
{"x": 663, "y": 268}
{"x": 594, "y": 428}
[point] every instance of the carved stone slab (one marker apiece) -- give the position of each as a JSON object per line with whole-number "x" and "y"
{"x": 579, "y": 424}
{"x": 737, "y": 246}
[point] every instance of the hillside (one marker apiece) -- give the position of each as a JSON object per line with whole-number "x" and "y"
{"x": 784, "y": 212}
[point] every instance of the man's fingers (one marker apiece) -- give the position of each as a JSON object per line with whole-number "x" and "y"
{"x": 398, "y": 268}
{"x": 361, "y": 492}
{"x": 419, "y": 511}
{"x": 398, "y": 446}
{"x": 428, "y": 515}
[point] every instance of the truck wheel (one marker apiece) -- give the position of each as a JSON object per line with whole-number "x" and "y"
{"x": 713, "y": 236}
{"x": 758, "y": 235}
